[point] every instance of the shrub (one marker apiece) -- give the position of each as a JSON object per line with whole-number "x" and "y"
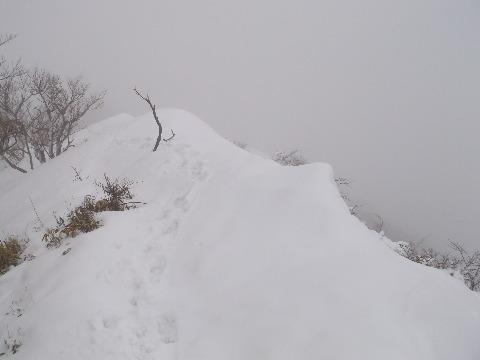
{"x": 10, "y": 250}
{"x": 83, "y": 219}
{"x": 116, "y": 192}
{"x": 80, "y": 220}
{"x": 467, "y": 264}
{"x": 289, "y": 159}
{"x": 53, "y": 236}
{"x": 429, "y": 257}
{"x": 238, "y": 143}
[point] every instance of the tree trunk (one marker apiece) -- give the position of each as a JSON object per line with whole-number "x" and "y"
{"x": 27, "y": 146}
{"x": 30, "y": 157}
{"x": 39, "y": 154}
{"x": 159, "y": 138}
{"x": 51, "y": 153}
{"x": 58, "y": 148}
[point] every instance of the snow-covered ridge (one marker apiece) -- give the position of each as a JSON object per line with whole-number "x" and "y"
{"x": 233, "y": 257}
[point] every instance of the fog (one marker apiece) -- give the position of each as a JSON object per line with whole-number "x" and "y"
{"x": 388, "y": 92}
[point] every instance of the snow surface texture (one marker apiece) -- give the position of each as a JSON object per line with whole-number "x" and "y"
{"x": 233, "y": 257}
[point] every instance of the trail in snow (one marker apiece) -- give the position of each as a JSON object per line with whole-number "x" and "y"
{"x": 233, "y": 256}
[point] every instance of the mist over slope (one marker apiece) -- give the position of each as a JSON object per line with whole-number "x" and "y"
{"x": 232, "y": 257}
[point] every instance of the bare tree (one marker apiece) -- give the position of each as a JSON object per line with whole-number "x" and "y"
{"x": 292, "y": 158}
{"x": 60, "y": 107}
{"x": 11, "y": 144}
{"x": 160, "y": 129}
{"x": 15, "y": 104}
{"x": 43, "y": 109}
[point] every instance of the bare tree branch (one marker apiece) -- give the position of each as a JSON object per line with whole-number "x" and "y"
{"x": 5, "y": 38}
{"x": 15, "y": 69}
{"x": 12, "y": 165}
{"x": 152, "y": 106}
{"x": 171, "y": 137}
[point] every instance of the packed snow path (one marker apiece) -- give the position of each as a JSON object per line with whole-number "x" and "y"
{"x": 232, "y": 257}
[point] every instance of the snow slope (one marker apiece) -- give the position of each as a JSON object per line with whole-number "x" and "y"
{"x": 232, "y": 257}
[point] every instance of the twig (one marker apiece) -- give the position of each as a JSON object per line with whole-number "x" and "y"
{"x": 171, "y": 137}
{"x": 77, "y": 174}
{"x": 36, "y": 213}
{"x": 135, "y": 202}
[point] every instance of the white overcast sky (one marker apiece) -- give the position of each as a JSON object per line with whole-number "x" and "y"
{"x": 388, "y": 92}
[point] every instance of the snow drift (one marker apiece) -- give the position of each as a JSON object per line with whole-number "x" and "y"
{"x": 232, "y": 257}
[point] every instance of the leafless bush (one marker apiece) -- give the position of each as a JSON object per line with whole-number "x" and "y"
{"x": 292, "y": 158}
{"x": 341, "y": 183}
{"x": 377, "y": 224}
{"x": 238, "y": 143}
{"x": 470, "y": 266}
{"x": 116, "y": 192}
{"x": 427, "y": 256}
{"x": 54, "y": 235}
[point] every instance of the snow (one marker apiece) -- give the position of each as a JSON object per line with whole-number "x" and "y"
{"x": 232, "y": 257}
